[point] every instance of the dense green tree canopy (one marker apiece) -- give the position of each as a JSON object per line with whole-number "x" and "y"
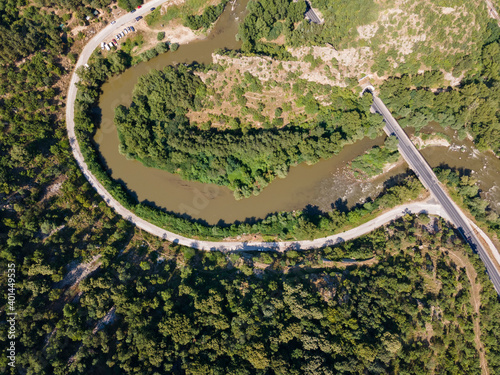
{"x": 205, "y": 20}
{"x": 149, "y": 307}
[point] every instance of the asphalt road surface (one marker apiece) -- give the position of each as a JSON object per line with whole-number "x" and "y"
{"x": 426, "y": 175}
{"x": 311, "y": 14}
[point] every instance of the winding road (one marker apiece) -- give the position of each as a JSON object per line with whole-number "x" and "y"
{"x": 443, "y": 209}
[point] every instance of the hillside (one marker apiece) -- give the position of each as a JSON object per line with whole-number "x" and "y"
{"x": 417, "y": 301}
{"x": 386, "y": 37}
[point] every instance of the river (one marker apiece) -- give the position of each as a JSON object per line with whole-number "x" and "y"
{"x": 324, "y": 185}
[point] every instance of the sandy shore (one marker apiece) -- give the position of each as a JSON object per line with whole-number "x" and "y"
{"x": 433, "y": 141}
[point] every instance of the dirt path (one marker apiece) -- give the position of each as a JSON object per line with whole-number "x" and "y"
{"x": 475, "y": 301}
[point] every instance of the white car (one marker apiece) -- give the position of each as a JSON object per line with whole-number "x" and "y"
{"x": 113, "y": 22}
{"x": 125, "y": 31}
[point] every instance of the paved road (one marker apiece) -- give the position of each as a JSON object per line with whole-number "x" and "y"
{"x": 311, "y": 14}
{"x": 385, "y": 218}
{"x": 424, "y": 172}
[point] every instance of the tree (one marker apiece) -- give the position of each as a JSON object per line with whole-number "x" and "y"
{"x": 129, "y": 4}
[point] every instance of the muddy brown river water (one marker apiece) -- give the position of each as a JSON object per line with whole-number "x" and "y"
{"x": 324, "y": 185}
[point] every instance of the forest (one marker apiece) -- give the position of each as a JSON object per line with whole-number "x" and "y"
{"x": 268, "y": 19}
{"x": 24, "y": 33}
{"x": 162, "y": 308}
{"x": 139, "y": 305}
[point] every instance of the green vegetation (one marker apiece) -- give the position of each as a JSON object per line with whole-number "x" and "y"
{"x": 465, "y": 191}
{"x": 174, "y": 46}
{"x": 156, "y": 131}
{"x": 391, "y": 37}
{"x": 473, "y": 107}
{"x": 270, "y": 18}
{"x": 144, "y": 306}
{"x": 153, "y": 18}
{"x": 297, "y": 225}
{"x": 24, "y": 32}
{"x": 434, "y": 135}
{"x": 160, "y": 36}
{"x": 342, "y": 17}
{"x": 25, "y": 28}
{"x": 266, "y": 18}
{"x": 373, "y": 161}
{"x": 130, "y": 43}
{"x": 410, "y": 310}
{"x": 129, "y": 4}
{"x": 205, "y": 20}
{"x": 187, "y": 13}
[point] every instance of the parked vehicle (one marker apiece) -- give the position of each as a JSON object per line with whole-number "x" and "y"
{"x": 138, "y": 18}
{"x": 139, "y": 7}
{"x": 113, "y": 22}
{"x": 129, "y": 28}
{"x": 133, "y": 10}
{"x": 107, "y": 47}
{"x": 132, "y": 28}
{"x": 153, "y": 8}
{"x": 125, "y": 31}
{"x": 114, "y": 41}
